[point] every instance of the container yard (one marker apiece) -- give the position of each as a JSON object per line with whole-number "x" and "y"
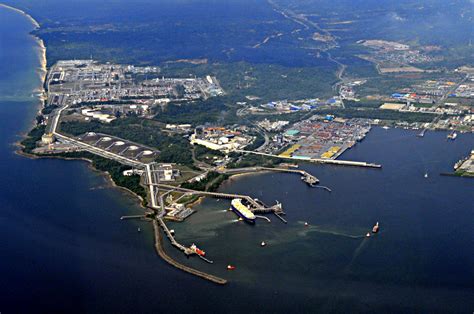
{"x": 324, "y": 138}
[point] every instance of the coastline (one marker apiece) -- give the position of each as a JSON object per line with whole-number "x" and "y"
{"x": 106, "y": 174}
{"x": 161, "y": 252}
{"x": 41, "y": 90}
{"x": 41, "y": 70}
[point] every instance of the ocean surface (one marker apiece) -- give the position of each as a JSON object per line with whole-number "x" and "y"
{"x": 64, "y": 248}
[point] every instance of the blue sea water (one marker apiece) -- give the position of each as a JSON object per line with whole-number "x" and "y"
{"x": 64, "y": 248}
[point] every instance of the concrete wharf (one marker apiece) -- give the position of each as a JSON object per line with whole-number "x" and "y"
{"x": 161, "y": 252}
{"x": 305, "y": 176}
{"x": 133, "y": 217}
{"x": 256, "y": 205}
{"x": 173, "y": 241}
{"x": 318, "y": 160}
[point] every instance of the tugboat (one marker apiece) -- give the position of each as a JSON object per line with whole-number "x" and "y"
{"x": 375, "y": 229}
{"x": 197, "y": 250}
{"x": 230, "y": 267}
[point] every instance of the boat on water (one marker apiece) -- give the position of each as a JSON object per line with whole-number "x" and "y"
{"x": 368, "y": 234}
{"x": 230, "y": 267}
{"x": 375, "y": 229}
{"x": 139, "y": 230}
{"x": 452, "y": 136}
{"x": 242, "y": 211}
{"x": 263, "y": 243}
{"x": 197, "y": 250}
{"x": 385, "y": 127}
{"x": 306, "y": 224}
{"x": 426, "y": 174}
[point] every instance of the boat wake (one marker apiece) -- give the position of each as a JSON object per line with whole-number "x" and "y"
{"x": 356, "y": 254}
{"x": 336, "y": 233}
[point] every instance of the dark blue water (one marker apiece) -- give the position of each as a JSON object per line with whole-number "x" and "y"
{"x": 64, "y": 248}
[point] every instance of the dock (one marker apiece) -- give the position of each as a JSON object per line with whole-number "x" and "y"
{"x": 173, "y": 241}
{"x": 133, "y": 217}
{"x": 161, "y": 252}
{"x": 306, "y": 177}
{"x": 318, "y": 160}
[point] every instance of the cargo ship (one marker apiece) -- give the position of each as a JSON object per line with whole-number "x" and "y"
{"x": 197, "y": 250}
{"x": 242, "y": 211}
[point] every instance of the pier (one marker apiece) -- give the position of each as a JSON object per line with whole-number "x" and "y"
{"x": 319, "y": 160}
{"x": 308, "y": 178}
{"x": 133, "y": 217}
{"x": 173, "y": 241}
{"x": 161, "y": 252}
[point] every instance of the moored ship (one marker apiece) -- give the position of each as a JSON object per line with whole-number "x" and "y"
{"x": 197, "y": 250}
{"x": 242, "y": 211}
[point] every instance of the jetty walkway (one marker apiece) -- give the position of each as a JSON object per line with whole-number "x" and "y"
{"x": 161, "y": 252}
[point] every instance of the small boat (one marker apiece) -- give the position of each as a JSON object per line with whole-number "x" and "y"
{"x": 139, "y": 230}
{"x": 241, "y": 219}
{"x": 426, "y": 174}
{"x": 452, "y": 135}
{"x": 306, "y": 224}
{"x": 368, "y": 234}
{"x": 375, "y": 229}
{"x": 263, "y": 243}
{"x": 230, "y": 267}
{"x": 385, "y": 127}
{"x": 172, "y": 231}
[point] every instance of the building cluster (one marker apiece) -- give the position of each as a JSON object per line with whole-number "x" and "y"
{"x": 285, "y": 106}
{"x": 220, "y": 138}
{"x": 465, "y": 90}
{"x": 324, "y": 137}
{"x": 120, "y": 89}
{"x": 163, "y": 172}
{"x": 448, "y": 108}
{"x": 272, "y": 126}
{"x": 347, "y": 90}
{"x": 318, "y": 137}
{"x": 396, "y": 57}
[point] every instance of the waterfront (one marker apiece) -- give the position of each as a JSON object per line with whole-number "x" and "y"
{"x": 67, "y": 250}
